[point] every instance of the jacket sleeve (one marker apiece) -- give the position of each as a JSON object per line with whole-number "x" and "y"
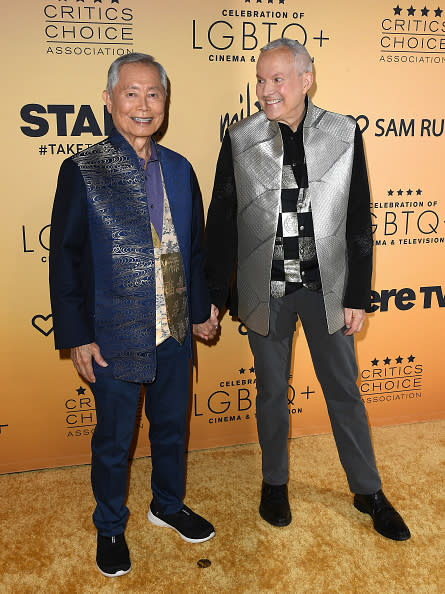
{"x": 359, "y": 233}
{"x": 200, "y": 298}
{"x": 221, "y": 237}
{"x": 70, "y": 266}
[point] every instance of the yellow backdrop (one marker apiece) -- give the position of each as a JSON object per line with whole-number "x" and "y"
{"x": 381, "y": 63}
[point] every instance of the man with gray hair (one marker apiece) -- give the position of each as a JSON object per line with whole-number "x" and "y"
{"x": 127, "y": 293}
{"x": 290, "y": 207}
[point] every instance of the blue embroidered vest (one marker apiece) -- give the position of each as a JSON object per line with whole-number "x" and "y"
{"x": 123, "y": 258}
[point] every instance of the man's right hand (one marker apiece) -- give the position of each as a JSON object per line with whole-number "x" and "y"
{"x": 82, "y": 357}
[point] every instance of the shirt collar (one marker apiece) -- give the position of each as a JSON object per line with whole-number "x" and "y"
{"x": 118, "y": 140}
{"x": 287, "y": 130}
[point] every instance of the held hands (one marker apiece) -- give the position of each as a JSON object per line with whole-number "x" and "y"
{"x": 354, "y": 320}
{"x": 208, "y": 330}
{"x": 82, "y": 357}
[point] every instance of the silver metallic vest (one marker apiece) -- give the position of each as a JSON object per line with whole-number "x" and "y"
{"x": 257, "y": 151}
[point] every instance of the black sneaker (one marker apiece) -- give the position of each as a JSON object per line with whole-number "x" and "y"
{"x": 113, "y": 558}
{"x": 188, "y": 525}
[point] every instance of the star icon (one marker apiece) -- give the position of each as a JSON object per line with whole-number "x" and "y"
{"x": 281, "y": 2}
{"x": 80, "y": 0}
{"x": 397, "y": 9}
{"x": 411, "y": 358}
{"x": 252, "y": 370}
{"x": 411, "y": 10}
{"x": 387, "y": 361}
{"x": 399, "y": 192}
{"x": 424, "y": 11}
{"x": 438, "y": 12}
{"x": 114, "y": 1}
{"x": 80, "y": 390}
{"x": 247, "y": 1}
{"x": 242, "y": 370}
{"x": 95, "y": 1}
{"x": 409, "y": 192}
{"x": 390, "y": 192}
{"x": 259, "y": 1}
{"x": 399, "y": 359}
{"x": 374, "y": 361}
{"x": 270, "y": 1}
{"x": 419, "y": 192}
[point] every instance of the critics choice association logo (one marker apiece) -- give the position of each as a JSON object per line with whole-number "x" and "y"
{"x": 413, "y": 34}
{"x": 80, "y": 413}
{"x": 88, "y": 27}
{"x": 235, "y": 34}
{"x": 391, "y": 379}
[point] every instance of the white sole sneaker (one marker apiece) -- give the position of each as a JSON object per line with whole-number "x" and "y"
{"x": 158, "y": 522}
{"x": 112, "y": 575}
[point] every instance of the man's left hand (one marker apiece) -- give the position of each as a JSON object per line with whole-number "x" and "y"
{"x": 354, "y": 320}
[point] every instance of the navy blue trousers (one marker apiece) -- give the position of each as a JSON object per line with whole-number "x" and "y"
{"x": 166, "y": 404}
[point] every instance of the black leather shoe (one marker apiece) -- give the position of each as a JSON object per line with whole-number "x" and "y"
{"x": 274, "y": 506}
{"x": 386, "y": 520}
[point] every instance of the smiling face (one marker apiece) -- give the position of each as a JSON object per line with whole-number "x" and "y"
{"x": 282, "y": 86}
{"x": 137, "y": 103}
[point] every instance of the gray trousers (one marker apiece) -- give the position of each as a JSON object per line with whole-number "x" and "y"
{"x": 333, "y": 357}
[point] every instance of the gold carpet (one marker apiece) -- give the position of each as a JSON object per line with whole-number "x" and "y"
{"x": 47, "y": 538}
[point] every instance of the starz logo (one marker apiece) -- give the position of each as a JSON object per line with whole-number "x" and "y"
{"x": 397, "y": 360}
{"x": 411, "y": 11}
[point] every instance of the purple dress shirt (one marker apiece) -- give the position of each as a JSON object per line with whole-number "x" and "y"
{"x": 154, "y": 189}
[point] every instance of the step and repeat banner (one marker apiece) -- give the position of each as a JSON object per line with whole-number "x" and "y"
{"x": 381, "y": 62}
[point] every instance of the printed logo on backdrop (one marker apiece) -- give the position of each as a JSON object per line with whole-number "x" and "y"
{"x": 408, "y": 217}
{"x": 88, "y": 27}
{"x": 80, "y": 413}
{"x": 412, "y": 34}
{"x": 54, "y": 123}
{"x": 392, "y": 379}
{"x": 234, "y": 399}
{"x": 34, "y": 241}
{"x": 235, "y": 35}
{"x": 406, "y": 298}
{"x": 380, "y": 127}
{"x": 43, "y": 324}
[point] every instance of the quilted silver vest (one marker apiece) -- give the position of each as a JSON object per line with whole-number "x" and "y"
{"x": 257, "y": 151}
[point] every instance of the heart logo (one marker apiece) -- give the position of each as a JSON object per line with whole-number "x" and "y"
{"x": 38, "y": 323}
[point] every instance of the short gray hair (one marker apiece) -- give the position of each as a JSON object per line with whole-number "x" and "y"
{"x": 298, "y": 50}
{"x": 113, "y": 71}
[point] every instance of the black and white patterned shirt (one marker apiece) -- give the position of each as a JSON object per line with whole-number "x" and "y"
{"x": 294, "y": 261}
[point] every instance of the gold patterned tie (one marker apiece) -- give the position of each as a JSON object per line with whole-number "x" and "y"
{"x": 175, "y": 294}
